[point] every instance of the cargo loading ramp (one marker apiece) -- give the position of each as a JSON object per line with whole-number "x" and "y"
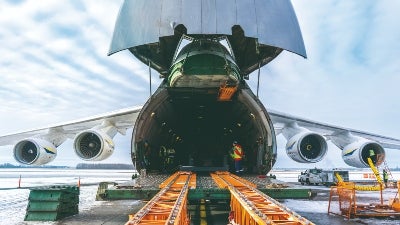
{"x": 251, "y": 206}
{"x": 169, "y": 206}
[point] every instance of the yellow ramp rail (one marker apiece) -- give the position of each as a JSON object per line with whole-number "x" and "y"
{"x": 169, "y": 206}
{"x": 252, "y": 207}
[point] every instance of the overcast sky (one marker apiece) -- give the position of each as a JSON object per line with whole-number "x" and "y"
{"x": 54, "y": 68}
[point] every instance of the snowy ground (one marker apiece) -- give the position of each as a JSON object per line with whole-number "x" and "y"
{"x": 9, "y": 178}
{"x": 13, "y": 201}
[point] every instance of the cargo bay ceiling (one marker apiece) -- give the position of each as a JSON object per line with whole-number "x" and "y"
{"x": 258, "y": 30}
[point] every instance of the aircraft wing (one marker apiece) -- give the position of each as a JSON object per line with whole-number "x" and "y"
{"x": 120, "y": 119}
{"x": 125, "y": 118}
{"x": 281, "y": 120}
{"x": 93, "y": 136}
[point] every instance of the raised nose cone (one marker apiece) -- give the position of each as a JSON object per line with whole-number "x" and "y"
{"x": 258, "y": 30}
{"x": 204, "y": 64}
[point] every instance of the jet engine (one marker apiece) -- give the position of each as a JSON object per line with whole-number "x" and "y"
{"x": 34, "y": 151}
{"x": 306, "y": 147}
{"x": 356, "y": 154}
{"x": 93, "y": 145}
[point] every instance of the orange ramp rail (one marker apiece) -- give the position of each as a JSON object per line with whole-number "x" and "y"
{"x": 252, "y": 207}
{"x": 169, "y": 206}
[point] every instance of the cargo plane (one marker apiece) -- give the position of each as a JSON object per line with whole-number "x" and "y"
{"x": 204, "y": 52}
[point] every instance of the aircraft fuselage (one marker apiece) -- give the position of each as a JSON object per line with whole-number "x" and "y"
{"x": 199, "y": 109}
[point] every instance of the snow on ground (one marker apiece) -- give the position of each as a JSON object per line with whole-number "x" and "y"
{"x": 13, "y": 204}
{"x": 14, "y": 201}
{"x": 41, "y": 177}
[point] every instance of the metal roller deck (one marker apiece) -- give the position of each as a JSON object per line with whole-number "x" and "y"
{"x": 144, "y": 188}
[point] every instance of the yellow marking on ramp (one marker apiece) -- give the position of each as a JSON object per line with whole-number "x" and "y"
{"x": 203, "y": 213}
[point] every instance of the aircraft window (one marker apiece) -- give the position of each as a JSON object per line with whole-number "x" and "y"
{"x": 227, "y": 45}
{"x": 185, "y": 40}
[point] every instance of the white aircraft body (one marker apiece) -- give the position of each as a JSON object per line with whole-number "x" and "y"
{"x": 204, "y": 52}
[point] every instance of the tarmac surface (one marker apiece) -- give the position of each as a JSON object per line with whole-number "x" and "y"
{"x": 108, "y": 213}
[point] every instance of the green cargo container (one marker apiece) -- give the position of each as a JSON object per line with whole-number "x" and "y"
{"x": 52, "y": 195}
{"x": 52, "y": 203}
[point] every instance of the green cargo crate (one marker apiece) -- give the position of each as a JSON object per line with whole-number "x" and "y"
{"x": 66, "y": 189}
{"x": 52, "y": 195}
{"x": 52, "y": 203}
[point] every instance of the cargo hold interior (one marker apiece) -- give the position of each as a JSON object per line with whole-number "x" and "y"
{"x": 199, "y": 128}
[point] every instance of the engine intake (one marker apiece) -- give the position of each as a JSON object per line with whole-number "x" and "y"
{"x": 93, "y": 145}
{"x": 306, "y": 147}
{"x": 34, "y": 151}
{"x": 357, "y": 153}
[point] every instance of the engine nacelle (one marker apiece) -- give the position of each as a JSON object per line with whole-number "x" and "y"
{"x": 93, "y": 145}
{"x": 356, "y": 154}
{"x": 34, "y": 151}
{"x": 306, "y": 147}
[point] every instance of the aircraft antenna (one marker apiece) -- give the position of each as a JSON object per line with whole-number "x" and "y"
{"x": 258, "y": 79}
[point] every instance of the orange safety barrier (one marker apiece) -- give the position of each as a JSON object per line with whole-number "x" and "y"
{"x": 252, "y": 207}
{"x": 343, "y": 201}
{"x": 169, "y": 206}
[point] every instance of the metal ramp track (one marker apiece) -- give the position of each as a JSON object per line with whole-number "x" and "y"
{"x": 169, "y": 206}
{"x": 250, "y": 206}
